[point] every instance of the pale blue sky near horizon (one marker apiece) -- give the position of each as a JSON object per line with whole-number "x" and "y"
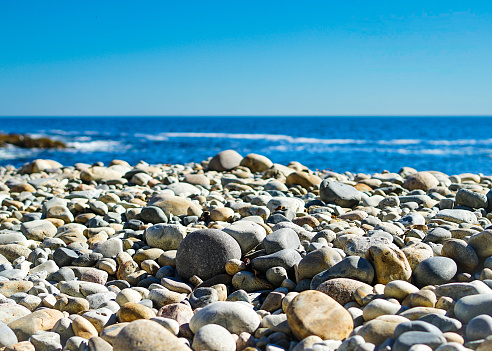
{"x": 327, "y": 58}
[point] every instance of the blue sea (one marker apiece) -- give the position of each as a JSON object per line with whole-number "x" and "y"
{"x": 357, "y": 144}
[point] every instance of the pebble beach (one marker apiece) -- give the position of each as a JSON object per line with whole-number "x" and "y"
{"x": 239, "y": 253}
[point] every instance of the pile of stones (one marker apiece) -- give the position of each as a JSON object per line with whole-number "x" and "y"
{"x": 239, "y": 253}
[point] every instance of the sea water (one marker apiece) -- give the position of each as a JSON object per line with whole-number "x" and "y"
{"x": 357, "y": 144}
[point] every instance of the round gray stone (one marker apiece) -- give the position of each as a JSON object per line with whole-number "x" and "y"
{"x": 434, "y": 271}
{"x": 285, "y": 238}
{"x": 408, "y": 339}
{"x": 205, "y": 252}
{"x": 471, "y": 306}
{"x": 153, "y": 214}
{"x": 479, "y": 327}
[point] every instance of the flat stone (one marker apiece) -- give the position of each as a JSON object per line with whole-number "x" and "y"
{"x": 9, "y": 313}
{"x": 8, "y": 288}
{"x": 46, "y": 341}
{"x": 380, "y": 307}
{"x": 341, "y": 194}
{"x": 353, "y": 267}
{"x": 38, "y": 229}
{"x": 399, "y": 289}
{"x": 13, "y": 251}
{"x": 26, "y": 326}
{"x": 286, "y": 258}
{"x": 457, "y": 216}
{"x": 471, "y": 199}
{"x": 109, "y": 248}
{"x": 458, "y": 290}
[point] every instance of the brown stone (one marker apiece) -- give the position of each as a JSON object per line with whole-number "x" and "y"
{"x": 378, "y": 330}
{"x": 26, "y": 326}
{"x": 180, "y": 312}
{"x": 256, "y": 163}
{"x": 309, "y": 220}
{"x": 420, "y": 180}
{"x": 21, "y": 346}
{"x": 303, "y": 179}
{"x": 20, "y": 187}
{"x": 131, "y": 311}
{"x": 83, "y": 328}
{"x": 389, "y": 264}
{"x": 416, "y": 253}
{"x": 8, "y": 288}
{"x": 314, "y": 313}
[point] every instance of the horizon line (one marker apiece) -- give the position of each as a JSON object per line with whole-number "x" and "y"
{"x": 239, "y": 115}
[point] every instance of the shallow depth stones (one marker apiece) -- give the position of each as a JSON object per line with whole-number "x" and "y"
{"x": 240, "y": 253}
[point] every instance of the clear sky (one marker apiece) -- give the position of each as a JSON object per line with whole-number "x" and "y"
{"x": 245, "y": 57}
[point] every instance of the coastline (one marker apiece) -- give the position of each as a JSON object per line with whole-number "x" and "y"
{"x": 320, "y": 257}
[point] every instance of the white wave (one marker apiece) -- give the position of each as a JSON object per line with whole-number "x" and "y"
{"x": 63, "y": 132}
{"x": 11, "y": 152}
{"x": 156, "y": 137}
{"x": 399, "y": 142}
{"x": 83, "y": 138}
{"x": 461, "y": 142}
{"x": 98, "y": 145}
{"x": 270, "y": 137}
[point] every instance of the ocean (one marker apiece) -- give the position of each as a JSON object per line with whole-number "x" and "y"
{"x": 451, "y": 145}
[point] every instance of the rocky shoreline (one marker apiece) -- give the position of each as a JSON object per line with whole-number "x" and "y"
{"x": 239, "y": 253}
{"x": 27, "y": 142}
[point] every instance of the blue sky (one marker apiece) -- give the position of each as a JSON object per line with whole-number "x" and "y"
{"x": 245, "y": 58}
